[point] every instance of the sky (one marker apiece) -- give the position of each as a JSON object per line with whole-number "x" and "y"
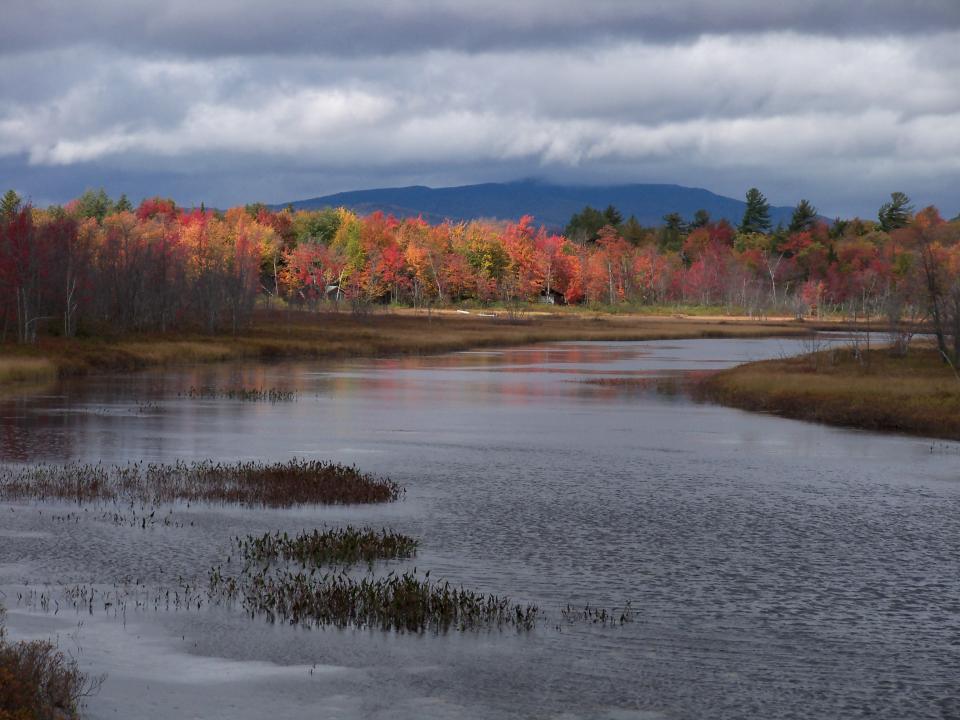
{"x": 235, "y": 101}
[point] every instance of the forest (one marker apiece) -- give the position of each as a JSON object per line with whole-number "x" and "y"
{"x": 97, "y": 266}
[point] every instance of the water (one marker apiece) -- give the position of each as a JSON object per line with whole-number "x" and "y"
{"x": 778, "y": 569}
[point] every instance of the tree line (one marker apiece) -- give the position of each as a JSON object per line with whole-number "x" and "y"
{"x": 98, "y": 265}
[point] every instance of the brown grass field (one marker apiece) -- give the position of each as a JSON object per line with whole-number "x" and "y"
{"x": 279, "y": 334}
{"x": 917, "y": 394}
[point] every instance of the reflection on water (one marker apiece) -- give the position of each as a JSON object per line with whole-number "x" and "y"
{"x": 779, "y": 569}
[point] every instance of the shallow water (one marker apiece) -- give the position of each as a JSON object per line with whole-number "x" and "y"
{"x": 778, "y": 569}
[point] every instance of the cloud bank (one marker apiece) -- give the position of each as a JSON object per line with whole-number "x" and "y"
{"x": 234, "y": 102}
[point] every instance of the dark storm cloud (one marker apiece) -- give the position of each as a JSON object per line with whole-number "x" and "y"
{"x": 372, "y": 27}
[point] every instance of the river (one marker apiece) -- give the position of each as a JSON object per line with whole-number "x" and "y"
{"x": 777, "y": 569}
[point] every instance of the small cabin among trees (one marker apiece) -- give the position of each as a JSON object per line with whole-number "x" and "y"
{"x": 552, "y": 297}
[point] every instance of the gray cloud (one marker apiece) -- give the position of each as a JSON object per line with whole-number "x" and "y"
{"x": 365, "y": 27}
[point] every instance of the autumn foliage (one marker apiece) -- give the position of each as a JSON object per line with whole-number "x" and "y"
{"x": 72, "y": 270}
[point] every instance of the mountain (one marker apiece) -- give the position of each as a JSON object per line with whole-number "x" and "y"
{"x": 551, "y": 205}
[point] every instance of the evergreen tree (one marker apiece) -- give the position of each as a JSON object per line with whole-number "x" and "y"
{"x": 94, "y": 204}
{"x": 123, "y": 204}
{"x": 896, "y": 213}
{"x": 253, "y": 209}
{"x": 701, "y": 218}
{"x": 632, "y": 231}
{"x": 585, "y": 226}
{"x": 804, "y": 217}
{"x": 673, "y": 232}
{"x": 612, "y": 216}
{"x": 10, "y": 204}
{"x": 756, "y": 216}
{"x": 839, "y": 228}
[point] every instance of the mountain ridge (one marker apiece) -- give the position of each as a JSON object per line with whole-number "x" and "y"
{"x": 550, "y": 204}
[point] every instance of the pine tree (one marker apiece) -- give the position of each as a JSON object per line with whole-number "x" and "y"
{"x": 123, "y": 204}
{"x": 701, "y": 218}
{"x": 9, "y": 204}
{"x": 632, "y": 231}
{"x": 896, "y": 213}
{"x": 673, "y": 232}
{"x": 585, "y": 225}
{"x": 612, "y": 216}
{"x": 756, "y": 216}
{"x": 804, "y": 217}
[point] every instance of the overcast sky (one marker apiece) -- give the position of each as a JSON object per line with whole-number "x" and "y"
{"x": 233, "y": 101}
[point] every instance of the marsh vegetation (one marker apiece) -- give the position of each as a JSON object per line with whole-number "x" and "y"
{"x": 272, "y": 395}
{"x": 40, "y": 682}
{"x": 403, "y": 602}
{"x": 250, "y": 483}
{"x": 344, "y": 546}
{"x": 873, "y": 389}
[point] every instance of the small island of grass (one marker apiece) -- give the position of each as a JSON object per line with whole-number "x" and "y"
{"x": 916, "y": 393}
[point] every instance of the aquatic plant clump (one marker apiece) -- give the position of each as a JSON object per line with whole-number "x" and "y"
{"x": 403, "y": 603}
{"x": 345, "y": 546}
{"x": 295, "y": 482}
{"x": 38, "y": 681}
{"x": 272, "y": 395}
{"x": 598, "y": 615}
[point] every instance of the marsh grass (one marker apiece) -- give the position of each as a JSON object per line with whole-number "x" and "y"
{"x": 295, "y": 482}
{"x": 345, "y": 546}
{"x": 39, "y": 682}
{"x": 401, "y": 603}
{"x": 916, "y": 394}
{"x": 17, "y": 370}
{"x": 598, "y": 615}
{"x": 271, "y": 395}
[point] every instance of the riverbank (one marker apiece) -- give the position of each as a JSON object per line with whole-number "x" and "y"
{"x": 279, "y": 334}
{"x": 917, "y": 394}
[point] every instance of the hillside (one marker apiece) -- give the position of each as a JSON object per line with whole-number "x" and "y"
{"x": 551, "y": 205}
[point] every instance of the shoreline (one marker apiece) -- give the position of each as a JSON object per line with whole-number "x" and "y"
{"x": 277, "y": 334}
{"x": 914, "y": 395}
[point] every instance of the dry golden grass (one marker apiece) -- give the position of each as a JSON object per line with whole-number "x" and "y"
{"x": 279, "y": 334}
{"x": 917, "y": 394}
{"x": 16, "y": 370}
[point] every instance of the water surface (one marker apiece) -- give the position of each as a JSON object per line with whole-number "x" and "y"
{"x": 778, "y": 569}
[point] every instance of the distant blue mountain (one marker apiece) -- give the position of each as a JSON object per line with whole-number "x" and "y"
{"x": 551, "y": 205}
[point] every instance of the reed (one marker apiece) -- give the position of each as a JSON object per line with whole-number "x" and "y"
{"x": 598, "y": 615}
{"x": 285, "y": 484}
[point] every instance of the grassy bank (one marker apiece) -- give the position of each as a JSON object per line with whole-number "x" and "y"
{"x": 278, "y": 334}
{"x": 917, "y": 394}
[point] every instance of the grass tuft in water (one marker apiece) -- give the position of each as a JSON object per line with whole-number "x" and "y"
{"x": 271, "y": 395}
{"x": 402, "y": 603}
{"x": 345, "y": 546}
{"x": 295, "y": 482}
